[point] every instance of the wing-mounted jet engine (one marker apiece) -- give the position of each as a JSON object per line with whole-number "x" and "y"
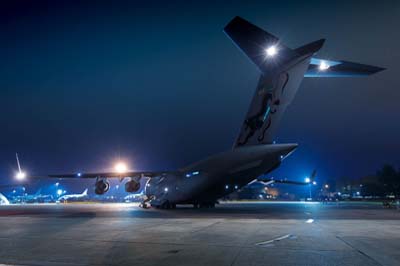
{"x": 132, "y": 185}
{"x": 101, "y": 186}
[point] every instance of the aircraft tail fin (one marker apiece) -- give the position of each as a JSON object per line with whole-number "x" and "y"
{"x": 3, "y": 200}
{"x": 38, "y": 192}
{"x": 313, "y": 175}
{"x": 282, "y": 70}
{"x": 84, "y": 193}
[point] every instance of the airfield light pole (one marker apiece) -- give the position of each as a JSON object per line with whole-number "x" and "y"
{"x": 308, "y": 180}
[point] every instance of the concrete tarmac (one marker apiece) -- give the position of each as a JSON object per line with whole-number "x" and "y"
{"x": 231, "y": 234}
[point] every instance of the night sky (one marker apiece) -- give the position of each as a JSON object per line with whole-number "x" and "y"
{"x": 160, "y": 85}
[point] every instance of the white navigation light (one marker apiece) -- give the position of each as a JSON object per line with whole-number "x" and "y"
{"x": 121, "y": 167}
{"x": 307, "y": 180}
{"x": 314, "y": 183}
{"x": 323, "y": 66}
{"x": 59, "y": 192}
{"x": 271, "y": 51}
{"x": 166, "y": 189}
{"x": 20, "y": 176}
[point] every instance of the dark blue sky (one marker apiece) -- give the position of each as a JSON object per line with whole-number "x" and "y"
{"x": 160, "y": 85}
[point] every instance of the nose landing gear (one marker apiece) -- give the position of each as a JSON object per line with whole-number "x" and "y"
{"x": 166, "y": 204}
{"x": 145, "y": 204}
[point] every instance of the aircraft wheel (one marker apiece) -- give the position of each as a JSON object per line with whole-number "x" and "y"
{"x": 166, "y": 205}
{"x": 204, "y": 205}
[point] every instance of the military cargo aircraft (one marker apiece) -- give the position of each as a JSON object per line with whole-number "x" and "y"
{"x": 254, "y": 152}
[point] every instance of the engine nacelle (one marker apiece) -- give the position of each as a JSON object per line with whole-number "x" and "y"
{"x": 101, "y": 187}
{"x": 132, "y": 186}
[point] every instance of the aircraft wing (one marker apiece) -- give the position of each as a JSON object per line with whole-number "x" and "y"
{"x": 328, "y": 69}
{"x": 8, "y": 186}
{"x": 110, "y": 174}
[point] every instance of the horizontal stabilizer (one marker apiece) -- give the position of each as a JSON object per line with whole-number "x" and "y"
{"x": 328, "y": 68}
{"x": 268, "y": 181}
{"x": 308, "y": 180}
{"x": 254, "y": 43}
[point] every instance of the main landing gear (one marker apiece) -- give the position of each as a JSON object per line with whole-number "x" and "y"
{"x": 167, "y": 205}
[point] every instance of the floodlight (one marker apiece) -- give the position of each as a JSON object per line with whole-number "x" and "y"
{"x": 271, "y": 51}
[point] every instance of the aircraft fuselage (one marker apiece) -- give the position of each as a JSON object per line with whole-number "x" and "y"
{"x": 216, "y": 176}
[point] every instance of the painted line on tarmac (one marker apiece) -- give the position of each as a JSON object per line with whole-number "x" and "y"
{"x": 273, "y": 240}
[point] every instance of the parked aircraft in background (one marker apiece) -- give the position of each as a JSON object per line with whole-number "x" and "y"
{"x": 3, "y": 200}
{"x": 38, "y": 197}
{"x": 73, "y": 197}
